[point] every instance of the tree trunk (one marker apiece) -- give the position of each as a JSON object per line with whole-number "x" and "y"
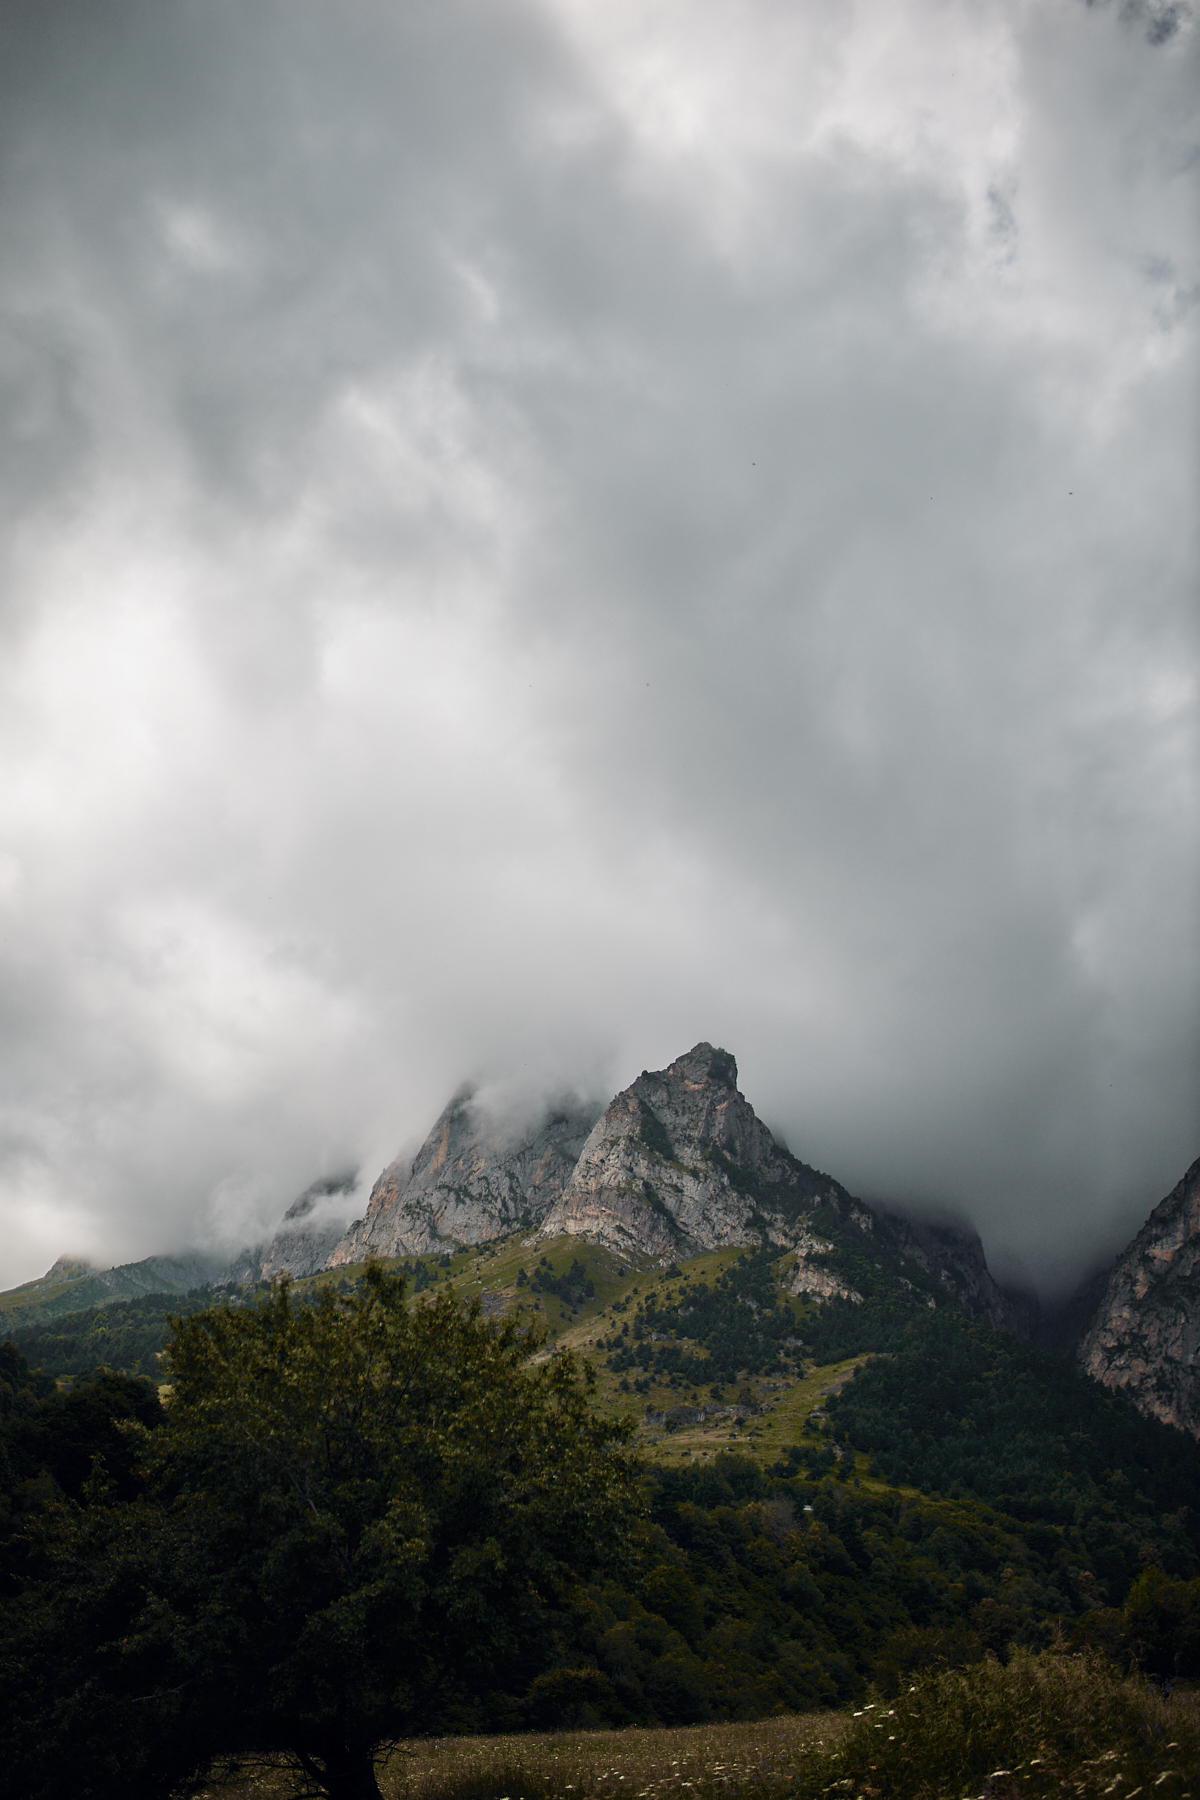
{"x": 344, "y": 1773}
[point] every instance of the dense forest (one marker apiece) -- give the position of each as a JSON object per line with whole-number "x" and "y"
{"x": 128, "y": 1335}
{"x": 957, "y": 1408}
{"x": 964, "y": 1495}
{"x": 734, "y": 1328}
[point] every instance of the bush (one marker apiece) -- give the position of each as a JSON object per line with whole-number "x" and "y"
{"x": 1040, "y": 1726}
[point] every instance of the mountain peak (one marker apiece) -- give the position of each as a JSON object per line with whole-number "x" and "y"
{"x": 699, "y": 1066}
{"x": 680, "y": 1161}
{"x": 65, "y": 1267}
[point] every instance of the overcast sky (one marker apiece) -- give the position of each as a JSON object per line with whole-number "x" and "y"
{"x": 538, "y": 531}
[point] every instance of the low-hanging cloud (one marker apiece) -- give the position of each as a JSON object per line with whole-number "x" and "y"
{"x": 537, "y": 533}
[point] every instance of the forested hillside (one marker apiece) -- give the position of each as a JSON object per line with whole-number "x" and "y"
{"x": 126, "y": 1335}
{"x": 835, "y": 1492}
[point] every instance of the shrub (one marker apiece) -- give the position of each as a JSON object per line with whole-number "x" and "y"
{"x": 1040, "y": 1726}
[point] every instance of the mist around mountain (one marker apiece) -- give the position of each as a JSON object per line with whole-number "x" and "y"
{"x": 856, "y": 1459}
{"x": 677, "y": 1164}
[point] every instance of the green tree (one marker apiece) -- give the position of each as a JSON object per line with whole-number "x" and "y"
{"x": 363, "y": 1519}
{"x": 1160, "y": 1624}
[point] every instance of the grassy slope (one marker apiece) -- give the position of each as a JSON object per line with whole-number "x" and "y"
{"x": 50, "y": 1297}
{"x": 688, "y": 1762}
{"x": 621, "y": 1285}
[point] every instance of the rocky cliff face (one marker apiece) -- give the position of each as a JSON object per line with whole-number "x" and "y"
{"x": 955, "y": 1255}
{"x": 811, "y": 1275}
{"x": 1145, "y": 1336}
{"x": 309, "y": 1234}
{"x": 950, "y": 1255}
{"x": 472, "y": 1180}
{"x": 679, "y": 1163}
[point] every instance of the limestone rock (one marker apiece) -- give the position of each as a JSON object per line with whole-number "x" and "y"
{"x": 309, "y": 1232}
{"x": 679, "y": 1162}
{"x": 809, "y": 1274}
{"x": 1145, "y": 1336}
{"x": 246, "y": 1268}
{"x": 472, "y": 1180}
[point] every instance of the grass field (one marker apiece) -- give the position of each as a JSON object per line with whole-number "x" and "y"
{"x": 696, "y": 1762}
{"x": 1041, "y": 1728}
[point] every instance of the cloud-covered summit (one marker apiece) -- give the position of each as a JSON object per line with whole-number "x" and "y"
{"x": 536, "y": 533}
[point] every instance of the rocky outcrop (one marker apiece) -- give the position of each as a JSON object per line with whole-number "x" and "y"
{"x": 678, "y": 1418}
{"x": 951, "y": 1256}
{"x": 954, "y": 1255}
{"x": 1145, "y": 1336}
{"x": 810, "y": 1275}
{"x": 472, "y": 1180}
{"x": 679, "y": 1162}
{"x": 310, "y": 1230}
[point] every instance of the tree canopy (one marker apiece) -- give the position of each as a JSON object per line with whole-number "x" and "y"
{"x": 361, "y": 1518}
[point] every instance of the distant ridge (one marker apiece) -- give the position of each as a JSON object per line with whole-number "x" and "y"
{"x": 301, "y": 1246}
{"x": 70, "y": 1285}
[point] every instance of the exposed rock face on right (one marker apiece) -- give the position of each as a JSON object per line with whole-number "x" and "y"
{"x": 680, "y": 1162}
{"x": 472, "y": 1180}
{"x": 1145, "y": 1336}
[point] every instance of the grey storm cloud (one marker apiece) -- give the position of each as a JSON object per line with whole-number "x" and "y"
{"x": 537, "y": 533}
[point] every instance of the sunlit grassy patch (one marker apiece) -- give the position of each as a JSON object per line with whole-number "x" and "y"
{"x": 698, "y": 1762}
{"x": 1042, "y": 1728}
